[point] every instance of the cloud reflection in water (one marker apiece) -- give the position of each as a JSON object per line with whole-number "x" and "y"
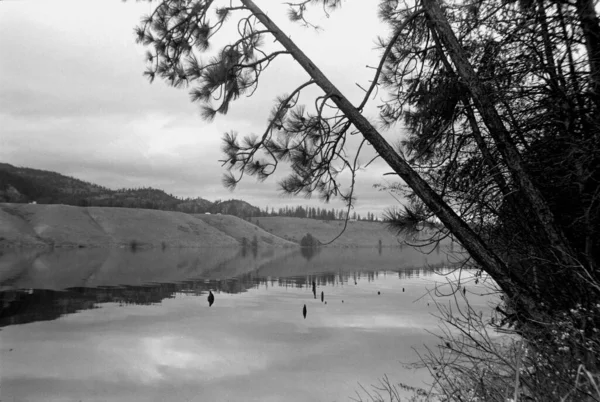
{"x": 159, "y": 342}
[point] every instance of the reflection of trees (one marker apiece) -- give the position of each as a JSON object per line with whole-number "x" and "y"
{"x": 244, "y": 250}
{"x": 21, "y": 307}
{"x": 26, "y": 306}
{"x": 309, "y": 252}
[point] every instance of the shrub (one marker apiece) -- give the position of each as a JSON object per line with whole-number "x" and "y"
{"x": 473, "y": 362}
{"x": 309, "y": 241}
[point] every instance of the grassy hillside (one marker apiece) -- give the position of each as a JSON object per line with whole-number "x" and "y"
{"x": 28, "y": 225}
{"x": 240, "y": 229}
{"x": 34, "y": 225}
{"x": 357, "y": 234}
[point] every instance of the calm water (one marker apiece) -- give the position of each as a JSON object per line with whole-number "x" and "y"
{"x": 112, "y": 325}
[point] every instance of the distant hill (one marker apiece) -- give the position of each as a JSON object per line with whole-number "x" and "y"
{"x": 23, "y": 185}
{"x": 234, "y": 207}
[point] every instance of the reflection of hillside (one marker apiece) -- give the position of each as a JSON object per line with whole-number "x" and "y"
{"x": 26, "y": 306}
{"x": 102, "y": 274}
{"x": 108, "y": 267}
{"x": 349, "y": 260}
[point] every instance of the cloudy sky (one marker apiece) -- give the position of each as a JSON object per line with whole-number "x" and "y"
{"x": 73, "y": 99}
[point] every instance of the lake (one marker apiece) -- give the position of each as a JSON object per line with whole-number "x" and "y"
{"x": 117, "y": 325}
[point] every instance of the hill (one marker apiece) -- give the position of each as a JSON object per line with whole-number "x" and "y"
{"x": 18, "y": 184}
{"x": 22, "y": 185}
{"x": 28, "y": 225}
{"x": 234, "y": 207}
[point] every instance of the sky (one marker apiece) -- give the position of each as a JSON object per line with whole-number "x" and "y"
{"x": 73, "y": 99}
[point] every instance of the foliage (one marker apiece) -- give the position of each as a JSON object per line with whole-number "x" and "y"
{"x": 177, "y": 34}
{"x": 309, "y": 246}
{"x": 409, "y": 221}
{"x": 41, "y": 186}
{"x": 318, "y": 213}
{"x": 536, "y": 62}
{"x": 309, "y": 241}
{"x": 478, "y": 359}
{"x": 533, "y": 64}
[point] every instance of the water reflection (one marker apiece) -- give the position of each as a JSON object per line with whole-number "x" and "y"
{"x": 61, "y": 269}
{"x": 41, "y": 285}
{"x": 131, "y": 327}
{"x": 309, "y": 252}
{"x": 21, "y": 306}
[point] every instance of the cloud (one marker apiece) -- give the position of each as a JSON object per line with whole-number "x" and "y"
{"x": 74, "y": 99}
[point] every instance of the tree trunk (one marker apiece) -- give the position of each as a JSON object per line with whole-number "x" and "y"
{"x": 485, "y": 152}
{"x": 590, "y": 25}
{"x": 499, "y": 133}
{"x": 476, "y": 247}
{"x": 548, "y": 52}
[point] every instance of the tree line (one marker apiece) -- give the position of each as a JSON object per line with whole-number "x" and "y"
{"x": 318, "y": 213}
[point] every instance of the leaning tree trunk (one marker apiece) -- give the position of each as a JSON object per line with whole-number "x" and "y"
{"x": 498, "y": 132}
{"x": 472, "y": 242}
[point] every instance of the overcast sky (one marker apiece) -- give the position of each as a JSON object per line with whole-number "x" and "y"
{"x": 73, "y": 99}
